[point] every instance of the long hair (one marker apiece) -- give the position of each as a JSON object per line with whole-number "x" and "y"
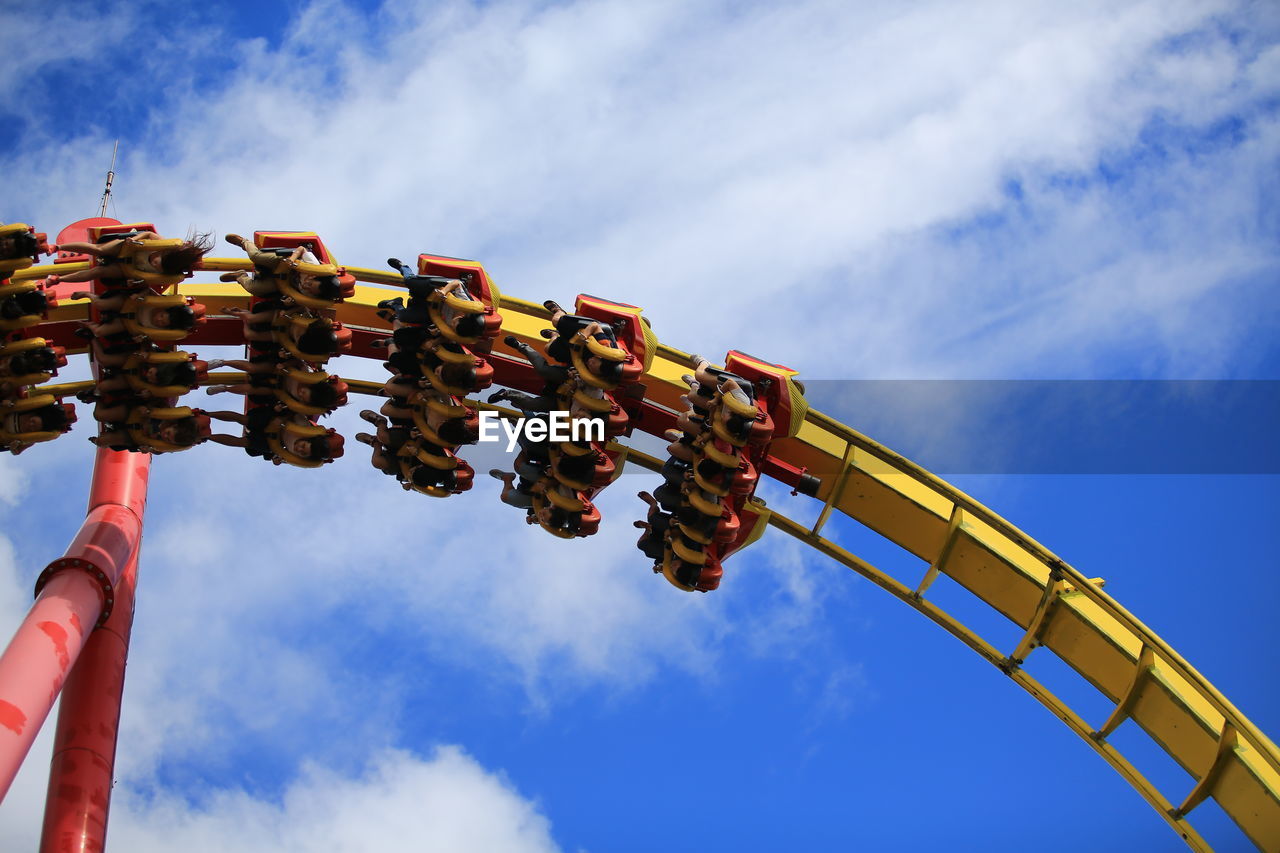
{"x": 186, "y": 432}
{"x": 457, "y": 431}
{"x": 53, "y": 418}
{"x": 184, "y": 258}
{"x": 177, "y": 374}
{"x": 182, "y": 317}
{"x": 319, "y": 338}
{"x": 25, "y": 245}
{"x": 323, "y": 395}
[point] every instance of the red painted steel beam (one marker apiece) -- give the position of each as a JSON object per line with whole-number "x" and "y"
{"x": 84, "y": 747}
{"x": 73, "y": 595}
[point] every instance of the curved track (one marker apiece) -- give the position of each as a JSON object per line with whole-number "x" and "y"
{"x": 1054, "y": 604}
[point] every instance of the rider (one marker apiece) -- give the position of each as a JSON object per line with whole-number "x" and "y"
{"x": 24, "y": 304}
{"x": 184, "y": 432}
{"x": 18, "y": 244}
{"x": 179, "y": 260}
{"x": 50, "y": 418}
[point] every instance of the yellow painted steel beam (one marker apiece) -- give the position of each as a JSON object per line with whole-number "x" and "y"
{"x": 834, "y": 492}
{"x": 939, "y": 563}
{"x": 1118, "y": 762}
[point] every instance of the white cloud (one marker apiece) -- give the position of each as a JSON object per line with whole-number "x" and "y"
{"x": 13, "y": 481}
{"x": 446, "y": 803}
{"x": 25, "y": 30}
{"x": 815, "y": 151}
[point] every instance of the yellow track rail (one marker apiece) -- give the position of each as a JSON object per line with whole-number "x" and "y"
{"x": 1054, "y": 604}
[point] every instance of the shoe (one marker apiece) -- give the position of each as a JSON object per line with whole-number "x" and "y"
{"x": 548, "y": 333}
{"x": 217, "y": 389}
{"x": 499, "y": 396}
{"x": 83, "y": 332}
{"x": 230, "y": 276}
{"x": 235, "y": 240}
{"x": 371, "y": 416}
{"x": 394, "y": 263}
{"x": 389, "y": 316}
{"x": 365, "y": 438}
{"x": 395, "y": 304}
{"x": 380, "y": 343}
{"x": 552, "y": 306}
{"x": 215, "y": 363}
{"x": 512, "y": 341}
{"x": 87, "y": 396}
{"x": 496, "y": 473}
{"x": 695, "y": 360}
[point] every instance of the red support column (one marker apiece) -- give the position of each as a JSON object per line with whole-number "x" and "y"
{"x": 73, "y": 595}
{"x": 84, "y": 747}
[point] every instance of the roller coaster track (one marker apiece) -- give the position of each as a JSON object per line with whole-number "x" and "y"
{"x": 1056, "y": 606}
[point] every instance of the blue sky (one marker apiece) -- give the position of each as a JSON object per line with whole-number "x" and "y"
{"x": 993, "y": 191}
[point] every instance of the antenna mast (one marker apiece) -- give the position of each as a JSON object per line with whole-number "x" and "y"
{"x": 111, "y": 176}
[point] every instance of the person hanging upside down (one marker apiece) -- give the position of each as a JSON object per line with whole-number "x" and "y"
{"x": 565, "y": 326}
{"x": 274, "y": 267}
{"x": 20, "y": 427}
{"x": 114, "y": 403}
{"x": 264, "y": 380}
{"x": 393, "y": 433}
{"x": 114, "y": 352}
{"x": 421, "y": 477}
{"x": 652, "y": 542}
{"x": 553, "y": 375}
{"x": 517, "y": 491}
{"x": 119, "y": 307}
{"x": 391, "y": 446}
{"x": 317, "y": 337}
{"x": 526, "y": 403}
{"x": 270, "y": 266}
{"x": 143, "y": 432}
{"x": 605, "y": 369}
{"x": 44, "y": 360}
{"x": 180, "y": 260}
{"x": 465, "y": 324}
{"x": 15, "y": 245}
{"x": 263, "y": 424}
{"x": 571, "y": 330}
{"x": 421, "y": 288}
{"x": 25, "y": 304}
{"x": 154, "y": 379}
{"x": 551, "y": 517}
{"x": 690, "y": 437}
{"x": 396, "y": 452}
{"x": 145, "y": 381}
{"x": 706, "y": 379}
